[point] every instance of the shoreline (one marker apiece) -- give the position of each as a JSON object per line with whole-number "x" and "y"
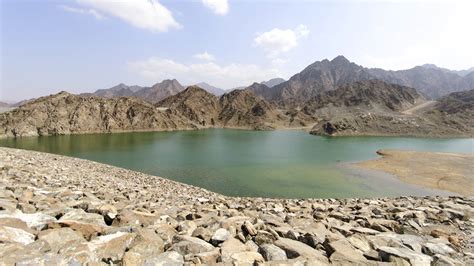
{"x": 306, "y": 129}
{"x": 451, "y": 172}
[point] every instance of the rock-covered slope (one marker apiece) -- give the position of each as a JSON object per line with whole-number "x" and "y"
{"x": 64, "y": 113}
{"x": 241, "y": 108}
{"x": 61, "y": 210}
{"x": 328, "y": 75}
{"x": 236, "y": 109}
{"x": 432, "y": 82}
{"x": 367, "y": 95}
{"x": 376, "y": 108}
{"x": 196, "y": 104}
{"x": 316, "y": 78}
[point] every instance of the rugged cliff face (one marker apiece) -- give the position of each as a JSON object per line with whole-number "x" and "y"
{"x": 451, "y": 116}
{"x": 239, "y": 108}
{"x": 195, "y": 104}
{"x": 367, "y": 95}
{"x": 65, "y": 113}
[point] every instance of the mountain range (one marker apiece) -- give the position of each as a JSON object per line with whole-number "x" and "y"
{"x": 328, "y": 75}
{"x": 334, "y": 97}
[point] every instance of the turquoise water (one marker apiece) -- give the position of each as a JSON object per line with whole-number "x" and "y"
{"x": 249, "y": 163}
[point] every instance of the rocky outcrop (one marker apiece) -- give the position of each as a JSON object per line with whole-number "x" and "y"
{"x": 316, "y": 78}
{"x": 60, "y": 210}
{"x": 367, "y": 95}
{"x": 65, "y": 113}
{"x": 236, "y": 109}
{"x": 376, "y": 108}
{"x": 242, "y": 108}
{"x": 196, "y": 104}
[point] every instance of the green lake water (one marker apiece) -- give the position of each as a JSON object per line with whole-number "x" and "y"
{"x": 291, "y": 164}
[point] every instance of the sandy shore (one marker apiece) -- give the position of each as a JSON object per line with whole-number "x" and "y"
{"x": 447, "y": 171}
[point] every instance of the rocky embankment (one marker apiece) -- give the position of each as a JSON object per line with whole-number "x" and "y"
{"x": 58, "y": 210}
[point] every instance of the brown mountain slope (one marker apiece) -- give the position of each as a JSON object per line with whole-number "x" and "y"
{"x": 383, "y": 114}
{"x": 236, "y": 109}
{"x": 196, "y": 104}
{"x": 64, "y": 113}
{"x": 242, "y": 108}
{"x": 367, "y": 95}
{"x": 159, "y": 91}
{"x": 328, "y": 75}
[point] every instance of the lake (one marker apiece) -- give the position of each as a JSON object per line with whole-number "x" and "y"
{"x": 290, "y": 164}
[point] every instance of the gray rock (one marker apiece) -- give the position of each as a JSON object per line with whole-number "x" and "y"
{"x": 295, "y": 249}
{"x": 190, "y": 245}
{"x": 413, "y": 257}
{"x": 272, "y": 252}
{"x": 220, "y": 236}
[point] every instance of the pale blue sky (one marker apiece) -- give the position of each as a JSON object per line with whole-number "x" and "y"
{"x": 84, "y": 45}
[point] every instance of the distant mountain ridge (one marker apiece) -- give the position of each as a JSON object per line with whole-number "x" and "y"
{"x": 272, "y": 82}
{"x": 209, "y": 88}
{"x": 328, "y": 75}
{"x": 152, "y": 94}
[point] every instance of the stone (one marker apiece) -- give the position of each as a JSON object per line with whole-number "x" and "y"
{"x": 295, "y": 249}
{"x": 79, "y": 215}
{"x": 248, "y": 228}
{"x": 246, "y": 258}
{"x": 413, "y": 257}
{"x": 437, "y": 248}
{"x": 206, "y": 258}
{"x": 88, "y": 230}
{"x": 190, "y": 245}
{"x": 263, "y": 237}
{"x": 15, "y": 235}
{"x": 341, "y": 251}
{"x": 202, "y": 233}
{"x": 59, "y": 238}
{"x": 220, "y": 236}
{"x": 442, "y": 260}
{"x": 169, "y": 258}
{"x": 230, "y": 247}
{"x": 36, "y": 221}
{"x": 272, "y": 252}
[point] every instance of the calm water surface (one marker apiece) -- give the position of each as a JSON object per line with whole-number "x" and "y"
{"x": 249, "y": 163}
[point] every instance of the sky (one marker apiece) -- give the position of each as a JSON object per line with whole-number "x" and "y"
{"x": 47, "y": 46}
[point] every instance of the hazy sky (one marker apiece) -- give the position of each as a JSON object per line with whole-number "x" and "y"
{"x": 84, "y": 45}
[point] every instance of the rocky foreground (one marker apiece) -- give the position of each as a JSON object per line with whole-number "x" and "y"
{"x": 59, "y": 210}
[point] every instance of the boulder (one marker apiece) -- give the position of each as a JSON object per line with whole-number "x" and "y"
{"x": 79, "y": 215}
{"x": 220, "y": 236}
{"x": 413, "y": 257}
{"x": 59, "y": 238}
{"x": 341, "y": 251}
{"x": 190, "y": 245}
{"x": 296, "y": 249}
{"x": 271, "y": 252}
{"x": 15, "y": 235}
